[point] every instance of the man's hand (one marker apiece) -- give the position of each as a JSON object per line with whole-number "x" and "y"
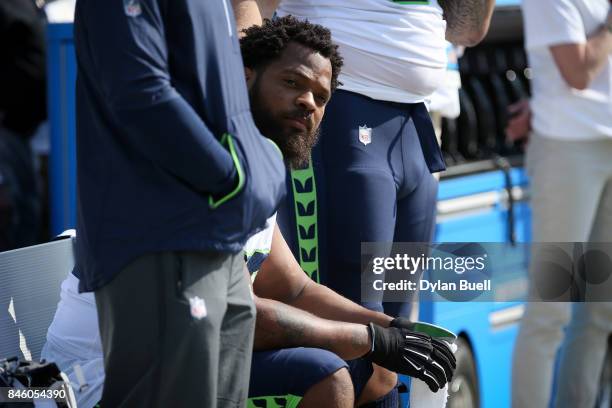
{"x": 414, "y": 354}
{"x": 519, "y": 122}
{"x": 441, "y": 349}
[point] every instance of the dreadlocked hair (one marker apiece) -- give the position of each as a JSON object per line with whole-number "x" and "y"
{"x": 263, "y": 44}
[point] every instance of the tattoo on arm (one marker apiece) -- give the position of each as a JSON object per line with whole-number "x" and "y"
{"x": 466, "y": 20}
{"x": 293, "y": 327}
{"x": 279, "y": 325}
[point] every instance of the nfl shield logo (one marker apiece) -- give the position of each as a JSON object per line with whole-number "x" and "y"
{"x": 365, "y": 135}
{"x": 132, "y": 8}
{"x": 197, "y": 307}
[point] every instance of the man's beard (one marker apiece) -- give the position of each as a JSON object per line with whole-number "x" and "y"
{"x": 296, "y": 148}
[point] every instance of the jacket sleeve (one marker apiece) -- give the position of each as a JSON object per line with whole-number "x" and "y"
{"x": 127, "y": 48}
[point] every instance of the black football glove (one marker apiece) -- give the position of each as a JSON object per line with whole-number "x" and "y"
{"x": 413, "y": 354}
{"x": 441, "y": 352}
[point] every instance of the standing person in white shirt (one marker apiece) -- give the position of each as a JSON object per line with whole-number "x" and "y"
{"x": 569, "y": 159}
{"x": 444, "y": 102}
{"x": 374, "y": 162}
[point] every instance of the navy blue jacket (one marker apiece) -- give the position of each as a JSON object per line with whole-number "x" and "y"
{"x": 168, "y": 156}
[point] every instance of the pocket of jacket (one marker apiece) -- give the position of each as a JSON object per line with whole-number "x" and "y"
{"x": 228, "y": 141}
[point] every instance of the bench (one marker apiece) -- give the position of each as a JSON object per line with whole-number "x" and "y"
{"x": 30, "y": 280}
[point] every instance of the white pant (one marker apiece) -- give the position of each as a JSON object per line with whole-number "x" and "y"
{"x": 571, "y": 190}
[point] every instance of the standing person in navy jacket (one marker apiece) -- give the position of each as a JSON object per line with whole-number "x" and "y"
{"x": 168, "y": 192}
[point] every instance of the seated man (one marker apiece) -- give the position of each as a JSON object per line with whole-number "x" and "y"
{"x": 305, "y": 332}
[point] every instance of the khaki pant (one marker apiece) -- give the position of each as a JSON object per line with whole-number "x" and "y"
{"x": 571, "y": 190}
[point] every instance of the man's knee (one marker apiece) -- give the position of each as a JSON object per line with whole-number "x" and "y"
{"x": 380, "y": 384}
{"x": 335, "y": 390}
{"x": 340, "y": 383}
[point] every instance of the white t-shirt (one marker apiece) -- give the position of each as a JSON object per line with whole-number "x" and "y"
{"x": 73, "y": 339}
{"x": 393, "y": 52}
{"x": 445, "y": 99}
{"x": 73, "y": 343}
{"x": 560, "y": 111}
